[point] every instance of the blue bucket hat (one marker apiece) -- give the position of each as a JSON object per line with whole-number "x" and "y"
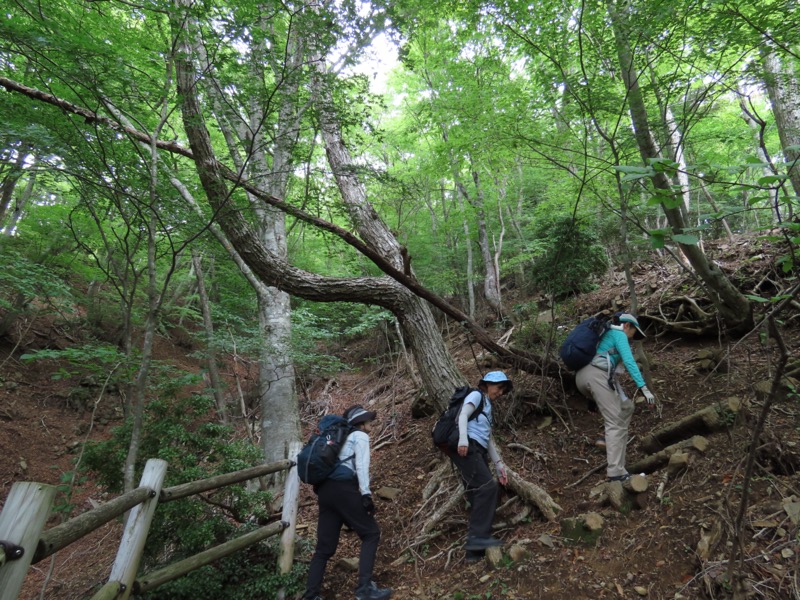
{"x": 497, "y": 377}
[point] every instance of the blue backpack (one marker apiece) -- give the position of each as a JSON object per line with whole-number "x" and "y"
{"x": 320, "y": 456}
{"x": 580, "y": 347}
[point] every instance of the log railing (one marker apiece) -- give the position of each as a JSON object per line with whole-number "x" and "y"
{"x": 23, "y": 543}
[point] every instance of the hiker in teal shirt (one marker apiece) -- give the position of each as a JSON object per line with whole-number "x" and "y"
{"x": 598, "y": 380}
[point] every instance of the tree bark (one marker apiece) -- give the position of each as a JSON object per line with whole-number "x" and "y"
{"x": 8, "y": 184}
{"x": 784, "y": 95}
{"x": 717, "y": 417}
{"x": 208, "y": 325}
{"x": 10, "y": 215}
{"x": 267, "y": 163}
{"x": 437, "y": 368}
{"x": 734, "y": 309}
{"x": 491, "y": 282}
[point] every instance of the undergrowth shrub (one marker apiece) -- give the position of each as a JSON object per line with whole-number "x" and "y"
{"x": 31, "y": 288}
{"x": 179, "y": 431}
{"x": 567, "y": 256}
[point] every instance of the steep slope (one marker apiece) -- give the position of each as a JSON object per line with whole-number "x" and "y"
{"x": 547, "y": 434}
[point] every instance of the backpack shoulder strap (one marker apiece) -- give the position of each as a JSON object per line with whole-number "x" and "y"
{"x": 479, "y": 409}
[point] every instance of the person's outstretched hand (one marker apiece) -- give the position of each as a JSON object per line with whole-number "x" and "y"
{"x": 648, "y": 395}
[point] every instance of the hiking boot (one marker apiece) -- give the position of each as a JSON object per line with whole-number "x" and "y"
{"x": 473, "y": 556}
{"x": 624, "y": 477}
{"x": 371, "y": 591}
{"x": 481, "y": 543}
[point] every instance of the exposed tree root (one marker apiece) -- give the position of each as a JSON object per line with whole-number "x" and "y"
{"x": 533, "y": 494}
{"x": 444, "y": 491}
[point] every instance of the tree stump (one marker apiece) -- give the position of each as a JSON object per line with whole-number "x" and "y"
{"x": 494, "y": 556}
{"x": 624, "y": 496}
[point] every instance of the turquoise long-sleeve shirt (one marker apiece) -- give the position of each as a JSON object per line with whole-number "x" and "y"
{"x": 615, "y": 342}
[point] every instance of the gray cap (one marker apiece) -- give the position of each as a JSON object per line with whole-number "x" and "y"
{"x": 358, "y": 414}
{"x": 628, "y": 318}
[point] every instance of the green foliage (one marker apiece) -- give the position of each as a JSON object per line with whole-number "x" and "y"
{"x": 566, "y": 255}
{"x": 94, "y": 359}
{"x": 30, "y": 286}
{"x": 178, "y": 430}
{"x": 246, "y": 575}
{"x": 532, "y": 334}
{"x": 65, "y": 490}
{"x": 330, "y": 324}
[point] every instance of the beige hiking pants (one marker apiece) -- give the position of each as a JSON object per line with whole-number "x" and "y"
{"x": 593, "y": 383}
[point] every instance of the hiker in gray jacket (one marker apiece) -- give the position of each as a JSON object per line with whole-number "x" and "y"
{"x": 475, "y": 448}
{"x": 598, "y": 380}
{"x": 345, "y": 498}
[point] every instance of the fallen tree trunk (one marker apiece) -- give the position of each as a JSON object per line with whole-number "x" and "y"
{"x": 656, "y": 461}
{"x": 714, "y": 418}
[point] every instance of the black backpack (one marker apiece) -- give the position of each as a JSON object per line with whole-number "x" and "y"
{"x": 445, "y": 432}
{"x": 320, "y": 456}
{"x": 580, "y": 347}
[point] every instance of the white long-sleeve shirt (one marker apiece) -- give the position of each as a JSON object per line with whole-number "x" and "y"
{"x": 463, "y": 425}
{"x": 357, "y": 447}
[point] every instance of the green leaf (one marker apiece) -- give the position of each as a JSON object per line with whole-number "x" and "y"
{"x": 685, "y": 239}
{"x": 755, "y": 298}
{"x": 670, "y": 201}
{"x": 767, "y": 179}
{"x": 657, "y": 241}
{"x": 754, "y": 161}
{"x": 634, "y": 177}
{"x": 634, "y": 173}
{"x": 664, "y": 165}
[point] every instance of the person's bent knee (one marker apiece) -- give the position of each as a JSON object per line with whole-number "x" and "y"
{"x": 324, "y": 553}
{"x": 371, "y": 535}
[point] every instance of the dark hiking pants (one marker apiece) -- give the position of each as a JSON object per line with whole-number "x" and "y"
{"x": 340, "y": 504}
{"x": 481, "y": 488}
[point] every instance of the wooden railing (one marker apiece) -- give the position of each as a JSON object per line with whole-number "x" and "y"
{"x": 23, "y": 543}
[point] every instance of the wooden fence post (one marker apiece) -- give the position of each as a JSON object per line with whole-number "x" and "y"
{"x": 291, "y": 496}
{"x": 137, "y": 527}
{"x": 21, "y": 522}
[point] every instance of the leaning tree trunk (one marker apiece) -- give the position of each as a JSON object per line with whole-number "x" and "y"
{"x": 9, "y": 185}
{"x": 734, "y": 309}
{"x": 437, "y": 369}
{"x": 208, "y": 325}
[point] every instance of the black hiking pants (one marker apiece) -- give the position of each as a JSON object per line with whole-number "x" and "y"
{"x": 481, "y": 488}
{"x": 340, "y": 504}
